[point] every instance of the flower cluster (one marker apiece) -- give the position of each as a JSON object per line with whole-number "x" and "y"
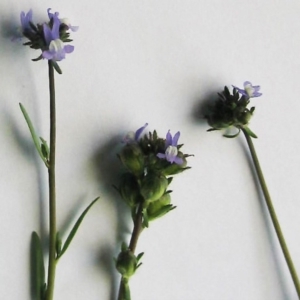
{"x": 232, "y": 109}
{"x": 49, "y": 37}
{"x": 149, "y": 160}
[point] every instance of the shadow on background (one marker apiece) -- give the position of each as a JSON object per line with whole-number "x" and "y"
{"x": 108, "y": 169}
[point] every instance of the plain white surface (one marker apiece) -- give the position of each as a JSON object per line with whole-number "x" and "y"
{"x": 157, "y": 62}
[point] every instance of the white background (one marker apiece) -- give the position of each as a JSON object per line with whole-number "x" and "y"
{"x": 138, "y": 61}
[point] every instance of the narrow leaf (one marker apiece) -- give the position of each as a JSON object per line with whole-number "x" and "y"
{"x": 74, "y": 229}
{"x": 56, "y": 67}
{"x": 251, "y": 133}
{"x": 37, "y": 268}
{"x": 145, "y": 218}
{"x": 34, "y": 136}
{"x": 139, "y": 256}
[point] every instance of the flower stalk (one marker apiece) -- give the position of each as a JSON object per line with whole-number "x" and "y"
{"x": 52, "y": 192}
{"x": 272, "y": 212}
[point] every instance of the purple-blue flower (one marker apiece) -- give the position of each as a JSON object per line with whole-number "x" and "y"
{"x": 133, "y": 137}
{"x": 62, "y": 21}
{"x": 25, "y": 20}
{"x": 57, "y": 50}
{"x": 249, "y": 90}
{"x": 171, "y": 149}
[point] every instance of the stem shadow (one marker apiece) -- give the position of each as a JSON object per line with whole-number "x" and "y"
{"x": 108, "y": 169}
{"x": 268, "y": 224}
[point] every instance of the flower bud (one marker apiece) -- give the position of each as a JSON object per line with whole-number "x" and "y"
{"x": 133, "y": 158}
{"x": 129, "y": 189}
{"x": 153, "y": 186}
{"x": 156, "y": 208}
{"x": 245, "y": 117}
{"x": 126, "y": 263}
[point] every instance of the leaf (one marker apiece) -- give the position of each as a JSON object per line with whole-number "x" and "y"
{"x": 56, "y": 67}
{"x": 38, "y": 58}
{"x": 211, "y": 129}
{"x": 75, "y": 228}
{"x": 164, "y": 210}
{"x": 58, "y": 243}
{"x": 45, "y": 149}
{"x": 139, "y": 256}
{"x": 34, "y": 136}
{"x": 37, "y": 268}
{"x": 249, "y": 132}
{"x": 145, "y": 218}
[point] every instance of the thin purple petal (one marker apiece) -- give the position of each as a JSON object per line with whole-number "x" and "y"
{"x": 55, "y": 28}
{"x": 175, "y": 139}
{"x": 161, "y": 155}
{"x": 139, "y": 132}
{"x": 169, "y": 139}
{"x": 47, "y": 34}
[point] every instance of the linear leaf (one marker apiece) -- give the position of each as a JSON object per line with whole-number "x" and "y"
{"x": 37, "y": 268}
{"x": 74, "y": 229}
{"x": 34, "y": 136}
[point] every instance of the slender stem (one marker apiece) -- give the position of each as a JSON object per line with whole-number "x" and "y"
{"x": 51, "y": 174}
{"x": 273, "y": 214}
{"x": 137, "y": 229}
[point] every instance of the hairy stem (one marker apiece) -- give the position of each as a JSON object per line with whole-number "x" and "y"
{"x": 273, "y": 214}
{"x": 52, "y": 196}
{"x": 124, "y": 293}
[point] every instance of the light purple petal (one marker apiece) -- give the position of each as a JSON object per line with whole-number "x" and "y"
{"x": 247, "y": 83}
{"x": 73, "y": 28}
{"x": 175, "y": 139}
{"x": 161, "y": 155}
{"x": 178, "y": 160}
{"x": 48, "y": 54}
{"x": 51, "y": 15}
{"x": 139, "y": 132}
{"x": 68, "y": 48}
{"x": 25, "y": 19}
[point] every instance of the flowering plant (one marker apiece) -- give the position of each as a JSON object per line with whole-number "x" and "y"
{"x": 232, "y": 110}
{"x": 49, "y": 37}
{"x": 149, "y": 162}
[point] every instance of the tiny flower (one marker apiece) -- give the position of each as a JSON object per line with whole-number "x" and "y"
{"x": 62, "y": 21}
{"x": 133, "y": 137}
{"x": 249, "y": 90}
{"x": 57, "y": 50}
{"x": 171, "y": 153}
{"x": 25, "y": 20}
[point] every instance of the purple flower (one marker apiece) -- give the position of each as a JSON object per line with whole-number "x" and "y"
{"x": 62, "y": 21}
{"x": 25, "y": 20}
{"x": 57, "y": 51}
{"x": 171, "y": 149}
{"x": 133, "y": 137}
{"x": 249, "y": 90}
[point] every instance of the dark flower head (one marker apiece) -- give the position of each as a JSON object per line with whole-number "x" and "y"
{"x": 231, "y": 109}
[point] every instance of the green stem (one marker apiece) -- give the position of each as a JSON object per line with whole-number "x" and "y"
{"x": 272, "y": 213}
{"x": 124, "y": 292}
{"x": 51, "y": 174}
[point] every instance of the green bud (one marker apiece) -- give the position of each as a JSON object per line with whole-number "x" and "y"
{"x": 126, "y": 263}
{"x": 173, "y": 169}
{"x": 155, "y": 208}
{"x": 129, "y": 189}
{"x": 133, "y": 159}
{"x": 245, "y": 117}
{"x": 153, "y": 186}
